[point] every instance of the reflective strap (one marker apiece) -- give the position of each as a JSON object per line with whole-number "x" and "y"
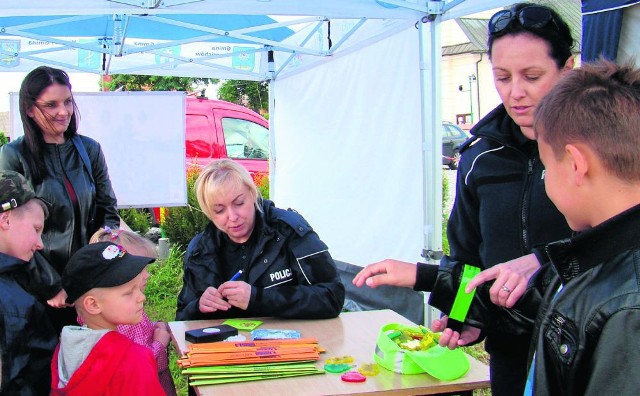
{"x": 463, "y": 300}
{"x": 393, "y": 359}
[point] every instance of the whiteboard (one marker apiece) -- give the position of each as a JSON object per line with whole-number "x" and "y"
{"x": 142, "y": 137}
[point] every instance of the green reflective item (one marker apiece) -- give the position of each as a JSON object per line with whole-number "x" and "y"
{"x": 463, "y": 300}
{"x": 441, "y": 363}
{"x": 337, "y": 368}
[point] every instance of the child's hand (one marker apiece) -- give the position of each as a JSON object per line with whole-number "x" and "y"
{"x": 161, "y": 333}
{"x": 387, "y": 272}
{"x": 452, "y": 339}
{"x": 58, "y": 301}
{"x": 211, "y": 301}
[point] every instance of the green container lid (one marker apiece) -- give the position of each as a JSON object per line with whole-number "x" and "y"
{"x": 439, "y": 362}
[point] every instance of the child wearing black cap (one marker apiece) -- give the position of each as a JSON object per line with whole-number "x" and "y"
{"x": 104, "y": 282}
{"x": 27, "y": 338}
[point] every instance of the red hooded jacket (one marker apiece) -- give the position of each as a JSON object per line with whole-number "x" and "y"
{"x": 115, "y": 366}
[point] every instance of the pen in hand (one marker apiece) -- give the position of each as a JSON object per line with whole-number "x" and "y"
{"x": 236, "y": 276}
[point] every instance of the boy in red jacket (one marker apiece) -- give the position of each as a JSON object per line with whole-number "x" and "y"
{"x": 105, "y": 284}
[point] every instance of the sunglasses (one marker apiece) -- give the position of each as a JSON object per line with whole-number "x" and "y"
{"x": 531, "y": 17}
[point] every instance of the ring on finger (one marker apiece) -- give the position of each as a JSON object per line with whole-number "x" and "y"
{"x": 505, "y": 288}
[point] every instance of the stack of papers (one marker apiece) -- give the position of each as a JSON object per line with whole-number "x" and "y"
{"x": 224, "y": 362}
{"x": 247, "y": 372}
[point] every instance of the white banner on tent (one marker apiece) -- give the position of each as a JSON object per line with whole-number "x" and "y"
{"x": 241, "y": 60}
{"x": 142, "y": 137}
{"x": 354, "y": 168}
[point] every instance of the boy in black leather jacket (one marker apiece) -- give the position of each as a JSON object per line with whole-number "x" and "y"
{"x": 27, "y": 338}
{"x": 588, "y": 135}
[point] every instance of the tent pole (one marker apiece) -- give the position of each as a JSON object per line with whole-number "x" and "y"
{"x": 272, "y": 138}
{"x": 431, "y": 114}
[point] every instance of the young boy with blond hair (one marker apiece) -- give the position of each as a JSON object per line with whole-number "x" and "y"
{"x": 153, "y": 335}
{"x": 105, "y": 284}
{"x": 27, "y": 338}
{"x": 588, "y": 131}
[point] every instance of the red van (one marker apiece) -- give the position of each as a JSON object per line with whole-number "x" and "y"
{"x": 219, "y": 129}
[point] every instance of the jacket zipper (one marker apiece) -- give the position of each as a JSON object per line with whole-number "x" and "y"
{"x": 63, "y": 172}
{"x": 525, "y": 205}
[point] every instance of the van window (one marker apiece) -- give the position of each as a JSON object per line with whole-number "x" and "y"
{"x": 199, "y": 139}
{"x": 245, "y": 139}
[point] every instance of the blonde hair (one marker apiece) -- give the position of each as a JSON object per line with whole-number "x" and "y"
{"x": 220, "y": 175}
{"x": 130, "y": 241}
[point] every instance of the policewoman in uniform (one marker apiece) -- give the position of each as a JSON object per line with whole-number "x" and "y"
{"x": 254, "y": 259}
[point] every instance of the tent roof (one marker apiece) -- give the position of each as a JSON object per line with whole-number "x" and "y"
{"x": 233, "y": 39}
{"x": 175, "y": 37}
{"x": 327, "y": 8}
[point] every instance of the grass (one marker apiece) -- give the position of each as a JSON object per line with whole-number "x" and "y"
{"x": 162, "y": 290}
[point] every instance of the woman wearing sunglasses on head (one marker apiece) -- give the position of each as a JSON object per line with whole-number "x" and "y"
{"x": 501, "y": 212}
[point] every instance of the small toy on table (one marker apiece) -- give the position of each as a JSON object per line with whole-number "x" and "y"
{"x": 274, "y": 334}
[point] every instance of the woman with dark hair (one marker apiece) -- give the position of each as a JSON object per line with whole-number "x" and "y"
{"x": 502, "y": 216}
{"x": 66, "y": 169}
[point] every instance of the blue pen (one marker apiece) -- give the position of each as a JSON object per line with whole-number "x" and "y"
{"x": 236, "y": 276}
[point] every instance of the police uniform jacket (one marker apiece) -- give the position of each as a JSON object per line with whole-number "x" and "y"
{"x": 587, "y": 331}
{"x": 501, "y": 212}
{"x": 291, "y": 272}
{"x": 96, "y": 199}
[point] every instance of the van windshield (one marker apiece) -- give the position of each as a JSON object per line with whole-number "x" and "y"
{"x": 245, "y": 139}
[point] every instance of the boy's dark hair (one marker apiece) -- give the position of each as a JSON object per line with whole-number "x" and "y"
{"x": 556, "y": 34}
{"x": 32, "y": 86}
{"x": 598, "y": 104}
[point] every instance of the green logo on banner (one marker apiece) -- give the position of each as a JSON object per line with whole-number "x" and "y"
{"x": 243, "y": 58}
{"x": 8, "y": 53}
{"x": 87, "y": 58}
{"x": 167, "y": 62}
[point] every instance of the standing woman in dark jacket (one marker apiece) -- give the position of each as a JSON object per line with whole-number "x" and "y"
{"x": 501, "y": 216}
{"x": 66, "y": 169}
{"x": 254, "y": 259}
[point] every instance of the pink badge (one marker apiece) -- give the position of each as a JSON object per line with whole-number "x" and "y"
{"x": 353, "y": 376}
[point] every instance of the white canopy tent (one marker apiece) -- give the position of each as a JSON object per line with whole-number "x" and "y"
{"x": 355, "y": 109}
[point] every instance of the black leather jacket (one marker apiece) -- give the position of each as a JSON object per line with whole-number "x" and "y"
{"x": 587, "y": 333}
{"x": 27, "y": 338}
{"x": 501, "y": 212}
{"x": 96, "y": 199}
{"x": 291, "y": 273}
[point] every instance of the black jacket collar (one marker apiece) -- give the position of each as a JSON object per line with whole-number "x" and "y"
{"x": 589, "y": 248}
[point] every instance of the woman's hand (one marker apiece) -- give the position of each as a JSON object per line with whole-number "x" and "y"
{"x": 387, "y": 272}
{"x": 59, "y": 300}
{"x": 512, "y": 278}
{"x": 452, "y": 339}
{"x": 237, "y": 293}
{"x": 211, "y": 301}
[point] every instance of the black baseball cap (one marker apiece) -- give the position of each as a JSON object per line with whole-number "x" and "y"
{"x": 15, "y": 190}
{"x": 102, "y": 264}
